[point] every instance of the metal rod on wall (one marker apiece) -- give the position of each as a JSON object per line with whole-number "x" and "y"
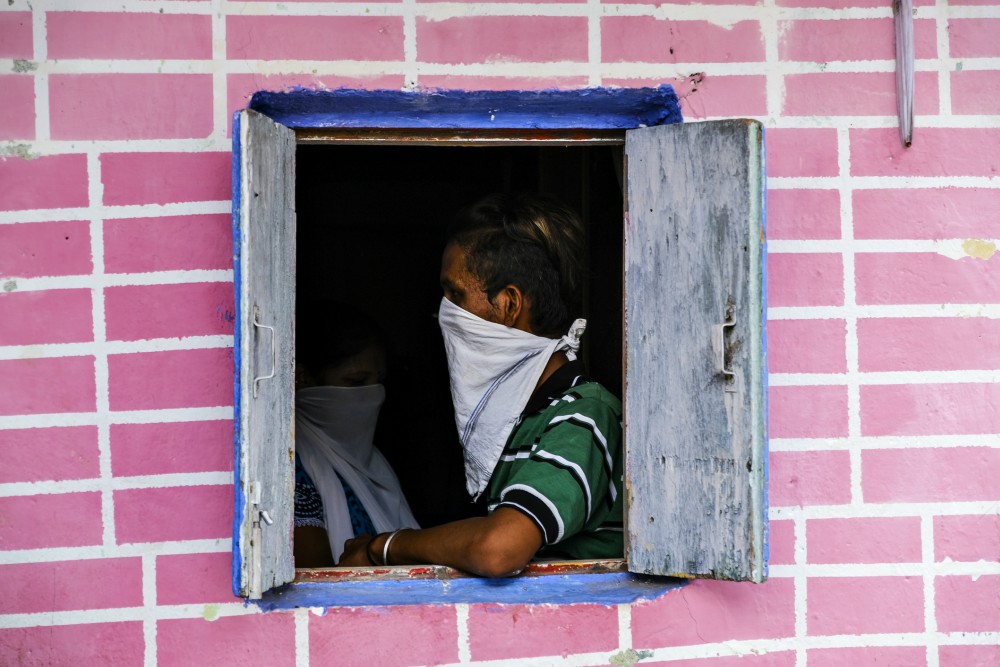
{"x": 903, "y": 12}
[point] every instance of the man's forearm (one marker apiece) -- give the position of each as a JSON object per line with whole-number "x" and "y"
{"x": 498, "y": 545}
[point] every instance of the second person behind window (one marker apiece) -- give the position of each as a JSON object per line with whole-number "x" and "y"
{"x": 344, "y": 487}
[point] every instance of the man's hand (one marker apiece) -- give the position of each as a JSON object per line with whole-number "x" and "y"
{"x": 356, "y": 552}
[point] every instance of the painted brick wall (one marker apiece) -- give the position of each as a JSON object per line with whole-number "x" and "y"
{"x": 116, "y": 308}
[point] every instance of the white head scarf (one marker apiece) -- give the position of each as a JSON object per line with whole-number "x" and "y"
{"x": 494, "y": 370}
{"x": 334, "y": 432}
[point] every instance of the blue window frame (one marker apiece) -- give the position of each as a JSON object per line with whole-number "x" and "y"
{"x": 695, "y": 432}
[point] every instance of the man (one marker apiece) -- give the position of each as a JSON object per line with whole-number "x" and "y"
{"x": 540, "y": 439}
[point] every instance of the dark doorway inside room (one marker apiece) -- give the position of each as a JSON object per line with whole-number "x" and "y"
{"x": 371, "y": 224}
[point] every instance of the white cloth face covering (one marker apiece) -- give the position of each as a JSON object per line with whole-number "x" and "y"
{"x": 334, "y": 434}
{"x": 493, "y": 370}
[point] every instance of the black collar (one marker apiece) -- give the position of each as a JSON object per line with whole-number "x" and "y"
{"x": 555, "y": 386}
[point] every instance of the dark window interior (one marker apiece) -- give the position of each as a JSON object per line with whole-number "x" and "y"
{"x": 371, "y": 228}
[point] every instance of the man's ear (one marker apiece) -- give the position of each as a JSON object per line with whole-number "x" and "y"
{"x": 513, "y": 308}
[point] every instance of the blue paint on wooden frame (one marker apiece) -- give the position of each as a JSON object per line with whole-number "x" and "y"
{"x": 590, "y": 108}
{"x": 240, "y": 499}
{"x": 599, "y": 588}
{"x": 585, "y": 109}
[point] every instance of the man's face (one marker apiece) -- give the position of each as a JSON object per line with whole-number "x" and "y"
{"x": 462, "y": 288}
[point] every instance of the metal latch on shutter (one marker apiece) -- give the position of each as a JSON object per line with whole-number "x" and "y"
{"x": 257, "y": 515}
{"x": 723, "y": 358}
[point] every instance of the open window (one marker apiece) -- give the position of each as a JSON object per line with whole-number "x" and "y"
{"x": 681, "y": 272}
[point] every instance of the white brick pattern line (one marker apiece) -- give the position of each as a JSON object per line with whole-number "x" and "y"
{"x": 886, "y": 570}
{"x": 774, "y": 82}
{"x": 115, "y": 347}
{"x": 799, "y": 575}
{"x": 990, "y": 310}
{"x": 745, "y": 648}
{"x": 158, "y": 613}
{"x": 121, "y": 212}
{"x": 624, "y": 627}
{"x": 220, "y": 99}
{"x": 594, "y": 52}
{"x": 149, "y": 603}
{"x": 883, "y": 442}
{"x": 677, "y": 70}
{"x": 945, "y": 65}
{"x": 100, "y": 353}
{"x": 882, "y": 378}
{"x": 57, "y": 554}
{"x": 887, "y": 182}
{"x": 40, "y": 45}
{"x": 107, "y": 485}
{"x": 411, "y": 70}
{"x": 846, "y": 511}
{"x": 51, "y": 147}
{"x": 301, "y": 637}
{"x": 462, "y": 621}
{"x": 850, "y": 306}
{"x": 95, "y": 281}
{"x": 666, "y": 72}
{"x": 930, "y": 614}
{"x": 124, "y": 417}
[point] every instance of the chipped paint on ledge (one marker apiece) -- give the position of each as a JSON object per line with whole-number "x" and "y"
{"x": 606, "y": 589}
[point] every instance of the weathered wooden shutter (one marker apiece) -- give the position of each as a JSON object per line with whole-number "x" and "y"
{"x": 695, "y": 421}
{"x": 265, "y": 280}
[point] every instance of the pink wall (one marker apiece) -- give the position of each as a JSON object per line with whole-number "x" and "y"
{"x": 884, "y": 285}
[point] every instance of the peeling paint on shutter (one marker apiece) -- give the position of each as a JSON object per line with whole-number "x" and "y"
{"x": 265, "y": 279}
{"x": 695, "y": 409}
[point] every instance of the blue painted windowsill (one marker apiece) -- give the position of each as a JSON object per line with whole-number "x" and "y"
{"x": 607, "y": 588}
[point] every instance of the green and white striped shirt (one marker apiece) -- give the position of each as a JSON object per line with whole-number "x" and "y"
{"x": 562, "y": 467}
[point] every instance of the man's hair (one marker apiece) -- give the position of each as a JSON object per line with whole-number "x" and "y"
{"x": 531, "y": 241}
